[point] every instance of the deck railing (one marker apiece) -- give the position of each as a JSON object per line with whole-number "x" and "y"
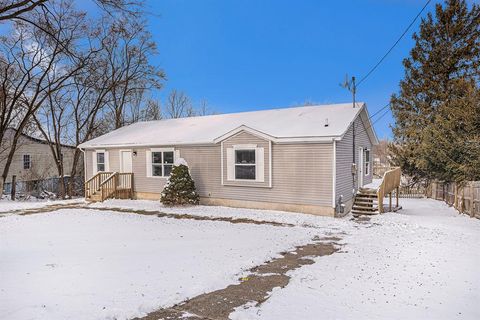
{"x": 92, "y": 185}
{"x": 390, "y": 182}
{"x": 110, "y": 185}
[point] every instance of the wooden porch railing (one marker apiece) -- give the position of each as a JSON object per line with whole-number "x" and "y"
{"x": 92, "y": 185}
{"x": 390, "y": 182}
{"x": 110, "y": 185}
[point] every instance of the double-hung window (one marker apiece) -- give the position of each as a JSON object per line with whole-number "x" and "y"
{"x": 100, "y": 161}
{"x": 162, "y": 162}
{"x": 26, "y": 161}
{"x": 367, "y": 161}
{"x": 245, "y": 166}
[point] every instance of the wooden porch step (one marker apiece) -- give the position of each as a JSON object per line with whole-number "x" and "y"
{"x": 368, "y": 213}
{"x": 366, "y": 195}
{"x": 95, "y": 197}
{"x": 360, "y": 208}
{"x": 364, "y": 202}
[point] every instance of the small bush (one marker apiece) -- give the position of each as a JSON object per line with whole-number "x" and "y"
{"x": 180, "y": 188}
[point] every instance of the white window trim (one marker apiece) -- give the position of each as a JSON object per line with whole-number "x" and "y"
{"x": 244, "y": 147}
{"x": 366, "y": 161}
{"x": 105, "y": 159}
{"x": 150, "y": 163}
{"x": 227, "y": 167}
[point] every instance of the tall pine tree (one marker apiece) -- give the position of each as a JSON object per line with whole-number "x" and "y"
{"x": 437, "y": 115}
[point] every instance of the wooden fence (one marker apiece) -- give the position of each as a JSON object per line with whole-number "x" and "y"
{"x": 465, "y": 198}
{"x": 412, "y": 192}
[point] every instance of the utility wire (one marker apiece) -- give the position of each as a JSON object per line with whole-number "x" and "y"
{"x": 394, "y": 45}
{"x": 372, "y": 123}
{"x": 378, "y": 111}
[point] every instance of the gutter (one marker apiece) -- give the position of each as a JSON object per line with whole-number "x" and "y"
{"x": 327, "y": 139}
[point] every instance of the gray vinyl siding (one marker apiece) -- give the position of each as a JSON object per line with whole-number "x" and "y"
{"x": 301, "y": 173}
{"x": 344, "y": 180}
{"x": 246, "y": 138}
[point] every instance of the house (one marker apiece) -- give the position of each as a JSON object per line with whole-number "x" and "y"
{"x": 292, "y": 159}
{"x": 33, "y": 162}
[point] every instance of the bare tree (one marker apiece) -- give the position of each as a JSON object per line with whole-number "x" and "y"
{"x": 35, "y": 66}
{"x": 19, "y": 9}
{"x": 152, "y": 111}
{"x": 128, "y": 51}
{"x": 178, "y": 105}
{"x": 12, "y": 9}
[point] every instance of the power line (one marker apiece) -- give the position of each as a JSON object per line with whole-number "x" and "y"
{"x": 394, "y": 45}
{"x": 378, "y": 111}
{"x": 372, "y": 123}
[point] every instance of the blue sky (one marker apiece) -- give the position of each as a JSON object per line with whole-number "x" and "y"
{"x": 248, "y": 55}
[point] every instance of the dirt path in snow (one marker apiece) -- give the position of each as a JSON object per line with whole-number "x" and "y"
{"x": 255, "y": 287}
{"x": 48, "y": 208}
{"x": 159, "y": 214}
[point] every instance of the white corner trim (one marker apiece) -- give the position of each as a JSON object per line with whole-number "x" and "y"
{"x": 334, "y": 175}
{"x": 270, "y": 164}
{"x": 221, "y": 163}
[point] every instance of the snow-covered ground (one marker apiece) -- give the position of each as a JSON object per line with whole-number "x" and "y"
{"x": 421, "y": 263}
{"x": 90, "y": 264}
{"x": 299, "y": 219}
{"x": 7, "y": 205}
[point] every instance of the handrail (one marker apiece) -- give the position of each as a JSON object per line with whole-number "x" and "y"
{"x": 110, "y": 185}
{"x": 93, "y": 184}
{"x": 390, "y": 182}
{"x": 107, "y": 179}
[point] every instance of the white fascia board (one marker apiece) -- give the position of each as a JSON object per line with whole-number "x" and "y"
{"x": 326, "y": 139}
{"x": 246, "y": 129}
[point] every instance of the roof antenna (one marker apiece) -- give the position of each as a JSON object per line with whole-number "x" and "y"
{"x": 326, "y": 122}
{"x": 351, "y": 86}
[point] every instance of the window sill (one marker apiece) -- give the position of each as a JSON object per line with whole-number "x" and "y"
{"x": 247, "y": 183}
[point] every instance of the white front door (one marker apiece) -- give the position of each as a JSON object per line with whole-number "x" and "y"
{"x": 125, "y": 161}
{"x": 360, "y": 168}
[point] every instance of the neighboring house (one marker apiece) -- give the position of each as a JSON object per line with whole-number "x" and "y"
{"x": 381, "y": 159}
{"x": 293, "y": 159}
{"x": 33, "y": 161}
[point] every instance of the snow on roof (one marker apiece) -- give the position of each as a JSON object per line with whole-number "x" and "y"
{"x": 280, "y": 124}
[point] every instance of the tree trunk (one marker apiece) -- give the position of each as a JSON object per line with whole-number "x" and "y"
{"x": 73, "y": 172}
